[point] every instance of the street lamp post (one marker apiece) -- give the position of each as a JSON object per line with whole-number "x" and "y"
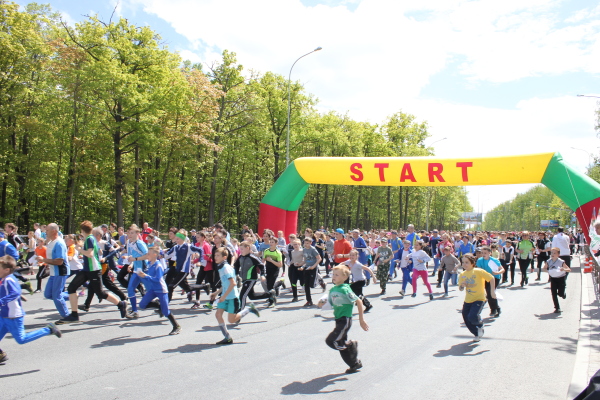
{"x": 287, "y": 141}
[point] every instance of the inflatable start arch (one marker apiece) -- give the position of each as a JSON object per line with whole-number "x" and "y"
{"x": 279, "y": 207}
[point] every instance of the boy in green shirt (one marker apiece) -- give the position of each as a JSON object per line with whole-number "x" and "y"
{"x": 342, "y": 299}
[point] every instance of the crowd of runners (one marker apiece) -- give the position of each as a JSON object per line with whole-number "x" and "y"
{"x": 136, "y": 269}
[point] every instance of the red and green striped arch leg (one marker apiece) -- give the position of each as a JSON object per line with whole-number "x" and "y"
{"x": 277, "y": 219}
{"x": 584, "y": 215}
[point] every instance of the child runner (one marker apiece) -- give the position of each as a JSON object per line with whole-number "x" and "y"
{"x": 248, "y": 267}
{"x": 11, "y": 311}
{"x": 420, "y": 259}
{"x": 183, "y": 254}
{"x": 508, "y": 255}
{"x": 358, "y": 278}
{"x": 342, "y": 298}
{"x": 403, "y": 261}
{"x": 473, "y": 279}
{"x": 384, "y": 256}
{"x": 449, "y": 264}
{"x": 493, "y": 266}
{"x": 311, "y": 263}
{"x": 557, "y": 269}
{"x": 295, "y": 271}
{"x": 43, "y": 270}
{"x": 273, "y": 260}
{"x": 154, "y": 281}
{"x": 91, "y": 272}
{"x": 229, "y": 301}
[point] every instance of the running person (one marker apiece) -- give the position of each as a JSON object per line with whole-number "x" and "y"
{"x": 11, "y": 310}
{"x": 557, "y": 269}
{"x": 342, "y": 299}
{"x": 357, "y": 271}
{"x": 57, "y": 262}
{"x": 473, "y": 280}
{"x": 137, "y": 252}
{"x": 248, "y": 267}
{"x": 182, "y": 253}
{"x": 384, "y": 257}
{"x": 524, "y": 250}
{"x": 311, "y": 263}
{"x": 229, "y": 300}
{"x": 90, "y": 272}
{"x": 154, "y": 280}
{"x": 419, "y": 260}
{"x": 491, "y": 265}
{"x": 403, "y": 261}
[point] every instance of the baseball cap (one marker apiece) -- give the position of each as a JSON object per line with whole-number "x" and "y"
{"x": 193, "y": 230}
{"x": 355, "y": 231}
{"x": 103, "y": 226}
{"x": 340, "y": 230}
{"x": 383, "y": 240}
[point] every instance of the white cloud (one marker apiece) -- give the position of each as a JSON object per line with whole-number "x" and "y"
{"x": 377, "y": 59}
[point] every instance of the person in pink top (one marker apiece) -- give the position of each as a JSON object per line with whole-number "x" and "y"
{"x": 206, "y": 273}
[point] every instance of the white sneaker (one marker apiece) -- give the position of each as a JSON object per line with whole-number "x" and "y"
{"x": 480, "y": 332}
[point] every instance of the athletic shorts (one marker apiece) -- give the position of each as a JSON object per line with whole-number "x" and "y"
{"x": 232, "y": 306}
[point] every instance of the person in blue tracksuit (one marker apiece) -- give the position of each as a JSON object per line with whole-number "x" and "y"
{"x": 138, "y": 254}
{"x": 58, "y": 262}
{"x": 182, "y": 253}
{"x": 6, "y": 248}
{"x": 11, "y": 310}
{"x": 156, "y": 287}
{"x": 403, "y": 261}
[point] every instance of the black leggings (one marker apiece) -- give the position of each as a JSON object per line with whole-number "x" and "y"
{"x": 247, "y": 291}
{"x": 179, "y": 280}
{"x": 557, "y": 288}
{"x": 540, "y": 264}
{"x": 272, "y": 274}
{"x": 109, "y": 284}
{"x": 309, "y": 280}
{"x": 357, "y": 288}
{"x": 523, "y": 264}
{"x": 488, "y": 294}
{"x": 208, "y": 278}
{"x": 95, "y": 283}
{"x": 42, "y": 273}
{"x": 295, "y": 275}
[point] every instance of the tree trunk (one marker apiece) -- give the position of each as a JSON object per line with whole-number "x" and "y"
{"x": 136, "y": 187}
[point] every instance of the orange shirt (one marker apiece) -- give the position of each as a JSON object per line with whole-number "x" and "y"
{"x": 71, "y": 251}
{"x": 41, "y": 251}
{"x": 341, "y": 247}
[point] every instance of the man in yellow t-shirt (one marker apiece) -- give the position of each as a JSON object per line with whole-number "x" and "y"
{"x": 473, "y": 280}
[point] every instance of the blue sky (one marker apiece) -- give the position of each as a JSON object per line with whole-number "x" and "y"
{"x": 494, "y": 78}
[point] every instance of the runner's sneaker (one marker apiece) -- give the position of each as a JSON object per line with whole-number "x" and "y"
{"x": 253, "y": 310}
{"x": 3, "y": 356}
{"x": 83, "y": 308}
{"x": 225, "y": 341}
{"x": 273, "y": 298}
{"x": 28, "y": 287}
{"x": 159, "y": 312}
{"x": 133, "y": 315}
{"x": 196, "y": 305}
{"x": 175, "y": 330}
{"x": 54, "y": 330}
{"x": 68, "y": 320}
{"x": 122, "y": 308}
{"x": 480, "y": 332}
{"x": 82, "y": 293}
{"x": 402, "y": 293}
{"x": 208, "y": 306}
{"x": 354, "y": 368}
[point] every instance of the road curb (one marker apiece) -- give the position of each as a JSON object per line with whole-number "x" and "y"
{"x": 581, "y": 370}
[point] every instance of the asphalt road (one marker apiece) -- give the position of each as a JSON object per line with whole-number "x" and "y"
{"x": 416, "y": 348}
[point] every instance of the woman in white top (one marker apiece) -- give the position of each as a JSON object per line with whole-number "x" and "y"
{"x": 419, "y": 261}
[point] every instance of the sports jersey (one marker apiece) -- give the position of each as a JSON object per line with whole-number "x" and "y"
{"x": 310, "y": 256}
{"x": 183, "y": 254}
{"x": 154, "y": 279}
{"x": 248, "y": 267}
{"x": 226, "y": 272}
{"x": 75, "y": 263}
{"x": 554, "y": 268}
{"x": 137, "y": 249}
{"x": 526, "y": 246}
{"x": 401, "y": 256}
{"x": 91, "y": 263}
{"x": 7, "y": 249}
{"x": 490, "y": 265}
{"x": 57, "y": 249}
{"x": 341, "y": 247}
{"x": 10, "y": 298}
{"x": 475, "y": 280}
{"x": 342, "y": 299}
{"x": 361, "y": 247}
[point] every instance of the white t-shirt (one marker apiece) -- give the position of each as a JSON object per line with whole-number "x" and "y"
{"x": 561, "y": 241}
{"x": 38, "y": 233}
